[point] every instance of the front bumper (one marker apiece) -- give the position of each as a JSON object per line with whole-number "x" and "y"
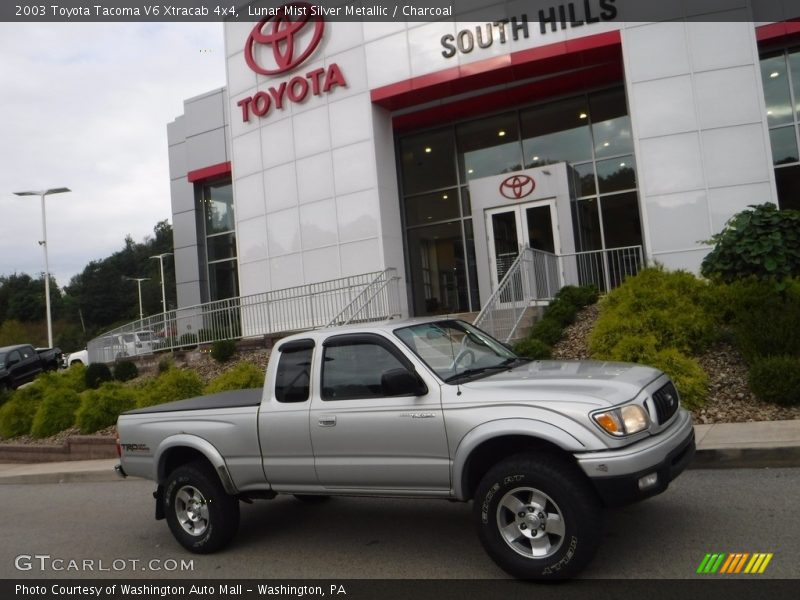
{"x": 616, "y": 474}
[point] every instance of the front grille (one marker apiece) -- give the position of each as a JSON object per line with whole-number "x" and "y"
{"x": 666, "y": 402}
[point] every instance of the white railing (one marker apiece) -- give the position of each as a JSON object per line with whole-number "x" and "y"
{"x": 532, "y": 277}
{"x": 367, "y": 297}
{"x": 536, "y": 276}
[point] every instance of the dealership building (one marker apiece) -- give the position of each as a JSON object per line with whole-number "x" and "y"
{"x": 439, "y": 149}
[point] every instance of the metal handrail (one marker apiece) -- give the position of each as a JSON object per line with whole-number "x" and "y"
{"x": 383, "y": 279}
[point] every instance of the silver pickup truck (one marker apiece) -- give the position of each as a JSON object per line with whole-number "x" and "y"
{"x": 426, "y": 409}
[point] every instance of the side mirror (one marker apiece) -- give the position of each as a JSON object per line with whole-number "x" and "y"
{"x": 402, "y": 382}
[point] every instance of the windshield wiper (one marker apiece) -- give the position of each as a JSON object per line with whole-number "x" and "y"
{"x": 506, "y": 364}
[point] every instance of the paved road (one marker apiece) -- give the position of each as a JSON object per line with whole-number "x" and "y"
{"x": 665, "y": 537}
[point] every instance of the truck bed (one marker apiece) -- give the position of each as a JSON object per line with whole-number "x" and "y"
{"x": 232, "y": 399}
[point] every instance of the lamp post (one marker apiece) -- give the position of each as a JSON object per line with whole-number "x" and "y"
{"x": 160, "y": 258}
{"x": 139, "y": 281}
{"x": 43, "y": 244}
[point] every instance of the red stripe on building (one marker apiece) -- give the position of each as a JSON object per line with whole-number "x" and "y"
{"x": 778, "y": 31}
{"x": 209, "y": 172}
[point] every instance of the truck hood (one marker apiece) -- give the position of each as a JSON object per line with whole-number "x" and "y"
{"x": 595, "y": 383}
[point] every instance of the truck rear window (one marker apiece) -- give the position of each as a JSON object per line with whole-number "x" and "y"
{"x": 294, "y": 374}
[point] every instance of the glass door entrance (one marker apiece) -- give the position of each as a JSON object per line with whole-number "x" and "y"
{"x": 511, "y": 228}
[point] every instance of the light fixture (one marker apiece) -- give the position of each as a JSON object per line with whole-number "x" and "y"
{"x": 583, "y": 115}
{"x": 470, "y": 171}
{"x": 622, "y": 164}
{"x": 535, "y": 158}
{"x": 774, "y": 74}
{"x": 501, "y": 133}
{"x": 428, "y": 150}
{"x": 606, "y": 144}
{"x": 444, "y": 196}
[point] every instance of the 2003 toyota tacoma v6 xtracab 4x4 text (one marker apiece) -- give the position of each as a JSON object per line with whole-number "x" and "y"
{"x": 421, "y": 408}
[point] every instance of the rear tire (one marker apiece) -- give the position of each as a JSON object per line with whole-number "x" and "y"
{"x": 538, "y": 517}
{"x": 200, "y": 514}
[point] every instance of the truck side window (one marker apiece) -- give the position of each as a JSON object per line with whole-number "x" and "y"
{"x": 294, "y": 374}
{"x": 354, "y": 371}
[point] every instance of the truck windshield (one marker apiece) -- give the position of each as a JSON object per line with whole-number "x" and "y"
{"x": 456, "y": 350}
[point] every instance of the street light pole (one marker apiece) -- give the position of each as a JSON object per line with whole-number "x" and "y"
{"x": 160, "y": 258}
{"x": 139, "y": 281}
{"x": 43, "y": 244}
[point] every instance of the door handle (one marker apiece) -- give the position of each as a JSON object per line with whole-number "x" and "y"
{"x": 327, "y": 421}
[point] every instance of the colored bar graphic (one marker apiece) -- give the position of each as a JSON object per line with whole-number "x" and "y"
{"x": 734, "y": 563}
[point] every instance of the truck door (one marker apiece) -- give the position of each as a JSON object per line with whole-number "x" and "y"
{"x": 365, "y": 434}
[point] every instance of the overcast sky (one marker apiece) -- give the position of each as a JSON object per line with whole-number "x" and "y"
{"x": 86, "y": 106}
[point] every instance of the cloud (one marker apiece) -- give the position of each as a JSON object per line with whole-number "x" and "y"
{"x": 86, "y": 105}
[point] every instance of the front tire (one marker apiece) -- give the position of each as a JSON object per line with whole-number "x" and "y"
{"x": 200, "y": 514}
{"x": 538, "y": 517}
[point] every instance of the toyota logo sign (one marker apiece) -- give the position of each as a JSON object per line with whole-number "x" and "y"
{"x": 517, "y": 186}
{"x": 290, "y": 44}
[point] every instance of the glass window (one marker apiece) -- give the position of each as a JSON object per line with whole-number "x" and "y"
{"x": 540, "y": 228}
{"x": 621, "y": 224}
{"x": 583, "y": 179}
{"x": 221, "y": 247}
{"x": 294, "y": 375}
{"x": 223, "y": 280}
{"x": 556, "y": 132}
{"x": 784, "y": 145}
{"x": 611, "y": 126}
{"x": 438, "y": 269}
{"x": 488, "y": 146}
{"x": 616, "y": 174}
{"x": 355, "y": 371}
{"x": 474, "y": 294}
{"x": 428, "y": 161}
{"x": 586, "y": 225}
{"x": 438, "y": 206}
{"x": 466, "y": 202}
{"x": 794, "y": 68}
{"x": 787, "y": 180}
{"x": 219, "y": 207}
{"x": 776, "y": 90}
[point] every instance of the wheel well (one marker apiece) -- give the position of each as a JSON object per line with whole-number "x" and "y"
{"x": 175, "y": 457}
{"x": 492, "y": 451}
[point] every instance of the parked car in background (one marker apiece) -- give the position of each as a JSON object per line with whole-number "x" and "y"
{"x": 22, "y": 363}
{"x": 79, "y": 357}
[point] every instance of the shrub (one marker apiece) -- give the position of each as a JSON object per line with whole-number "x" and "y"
{"x": 165, "y": 364}
{"x": 242, "y": 376}
{"x": 674, "y": 307}
{"x": 74, "y": 378}
{"x": 95, "y": 374}
{"x": 223, "y": 350}
{"x": 126, "y": 370}
{"x": 776, "y": 379}
{"x": 761, "y": 241}
{"x": 174, "y": 384}
{"x": 56, "y": 412}
{"x": 16, "y": 415}
{"x": 532, "y": 348}
{"x": 579, "y": 297}
{"x": 548, "y": 331}
{"x": 99, "y": 408}
{"x": 561, "y": 311}
{"x": 685, "y": 371}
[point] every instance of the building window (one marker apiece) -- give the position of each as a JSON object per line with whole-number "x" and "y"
{"x": 780, "y": 73}
{"x": 220, "y": 239}
{"x": 590, "y": 132}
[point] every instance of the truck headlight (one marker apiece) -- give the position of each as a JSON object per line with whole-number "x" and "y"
{"x": 625, "y": 420}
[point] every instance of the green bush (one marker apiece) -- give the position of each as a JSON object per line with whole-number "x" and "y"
{"x": 761, "y": 241}
{"x": 174, "y": 384}
{"x": 16, "y": 415}
{"x": 74, "y": 378}
{"x": 99, "y": 408}
{"x": 532, "y": 348}
{"x": 165, "y": 364}
{"x": 95, "y": 374}
{"x": 56, "y": 412}
{"x": 685, "y": 371}
{"x": 776, "y": 379}
{"x": 126, "y": 370}
{"x": 672, "y": 306}
{"x": 223, "y": 350}
{"x": 561, "y": 311}
{"x": 548, "y": 331}
{"x": 242, "y": 376}
{"x": 579, "y": 297}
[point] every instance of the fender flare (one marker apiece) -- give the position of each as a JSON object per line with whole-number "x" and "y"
{"x": 532, "y": 428}
{"x": 201, "y": 445}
